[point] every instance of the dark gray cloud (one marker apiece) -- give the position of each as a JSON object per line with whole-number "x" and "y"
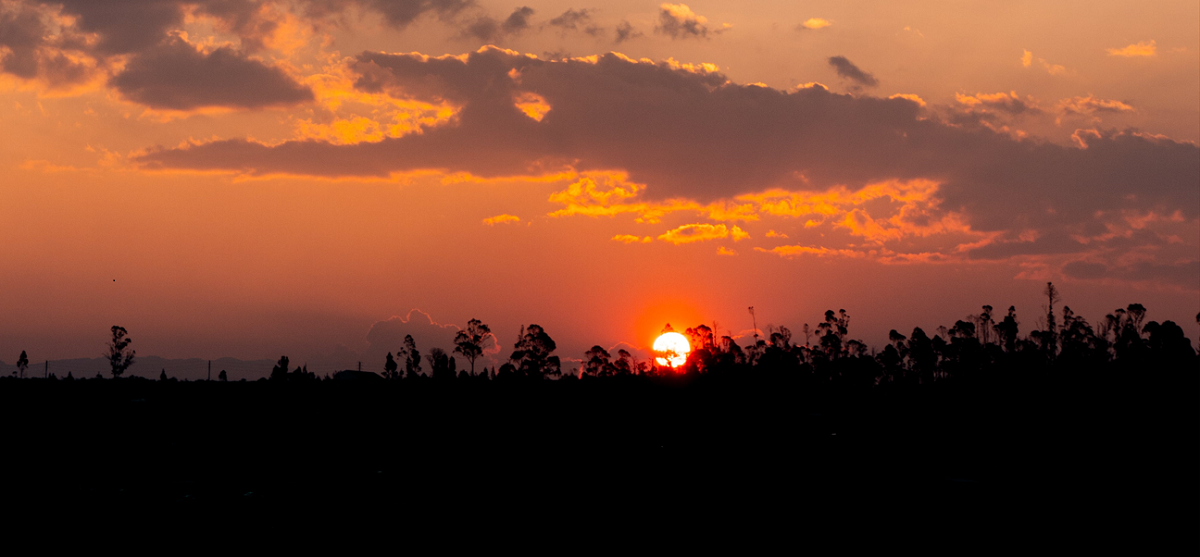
{"x": 518, "y": 20}
{"x": 31, "y": 51}
{"x": 573, "y": 19}
{"x": 577, "y": 20}
{"x": 696, "y": 135}
{"x": 177, "y": 76}
{"x": 489, "y": 29}
{"x": 397, "y": 13}
{"x": 625, "y": 32}
{"x": 1182, "y": 274}
{"x": 125, "y": 26}
{"x": 847, "y": 70}
{"x": 21, "y": 30}
{"x": 120, "y": 27}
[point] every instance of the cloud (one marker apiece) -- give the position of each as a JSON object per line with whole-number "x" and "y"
{"x": 577, "y": 20}
{"x": 177, "y": 76}
{"x": 1089, "y": 106}
{"x": 813, "y": 23}
{"x": 1180, "y": 274}
{"x": 1009, "y": 103}
{"x": 625, "y": 32}
{"x": 722, "y": 250}
{"x": 678, "y": 21}
{"x": 489, "y": 29}
{"x": 501, "y": 219}
{"x": 1137, "y": 50}
{"x": 52, "y": 56}
{"x": 686, "y": 138}
{"x": 632, "y": 239}
{"x": 1052, "y": 69}
{"x": 774, "y": 234}
{"x": 689, "y": 233}
{"x": 798, "y": 250}
{"x": 910, "y": 97}
{"x": 397, "y": 13}
{"x": 847, "y": 70}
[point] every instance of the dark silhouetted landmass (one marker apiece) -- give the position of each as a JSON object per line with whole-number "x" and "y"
{"x": 1075, "y": 437}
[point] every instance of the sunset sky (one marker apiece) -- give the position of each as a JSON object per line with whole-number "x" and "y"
{"x": 253, "y": 178}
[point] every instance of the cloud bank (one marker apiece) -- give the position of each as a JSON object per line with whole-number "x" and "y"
{"x": 688, "y": 132}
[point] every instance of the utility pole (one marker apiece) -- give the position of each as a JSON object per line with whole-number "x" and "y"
{"x": 210, "y": 370}
{"x": 46, "y": 374}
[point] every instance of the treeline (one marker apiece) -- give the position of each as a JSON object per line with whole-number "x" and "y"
{"x": 987, "y": 347}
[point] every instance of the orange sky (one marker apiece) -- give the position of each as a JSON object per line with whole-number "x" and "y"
{"x": 254, "y": 178}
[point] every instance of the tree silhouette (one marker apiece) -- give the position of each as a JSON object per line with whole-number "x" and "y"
{"x": 389, "y": 368}
{"x": 412, "y": 358}
{"x": 626, "y": 364}
{"x": 1008, "y": 329}
{"x": 280, "y": 371}
{"x": 22, "y": 364}
{"x": 700, "y": 337}
{"x": 985, "y": 325}
{"x": 440, "y": 365}
{"x": 1050, "y": 339}
{"x": 596, "y": 363}
{"x": 222, "y": 377}
{"x": 120, "y": 357}
{"x": 469, "y": 341}
{"x": 531, "y": 355}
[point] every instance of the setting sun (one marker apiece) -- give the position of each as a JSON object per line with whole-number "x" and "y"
{"x": 671, "y": 349}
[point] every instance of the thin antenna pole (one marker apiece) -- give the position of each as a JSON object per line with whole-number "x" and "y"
{"x": 46, "y": 374}
{"x": 754, "y": 320}
{"x": 210, "y": 370}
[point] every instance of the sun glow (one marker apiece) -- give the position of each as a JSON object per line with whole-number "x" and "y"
{"x": 671, "y": 349}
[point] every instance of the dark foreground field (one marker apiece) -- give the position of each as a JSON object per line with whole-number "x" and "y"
{"x": 1059, "y": 468}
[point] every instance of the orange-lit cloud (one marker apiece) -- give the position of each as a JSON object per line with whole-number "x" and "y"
{"x": 650, "y": 139}
{"x": 797, "y": 251}
{"x": 632, "y": 239}
{"x": 689, "y": 233}
{"x": 1090, "y": 106}
{"x": 1136, "y": 50}
{"x": 1003, "y": 102}
{"x": 533, "y": 105}
{"x": 912, "y": 210}
{"x": 815, "y": 23}
{"x": 722, "y": 250}
{"x": 1052, "y": 69}
{"x": 501, "y": 219}
{"x": 909, "y": 97}
{"x": 678, "y": 21}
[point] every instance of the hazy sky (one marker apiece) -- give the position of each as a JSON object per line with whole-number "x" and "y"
{"x": 255, "y": 178}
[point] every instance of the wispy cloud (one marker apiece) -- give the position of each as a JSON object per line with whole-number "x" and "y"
{"x": 847, "y": 70}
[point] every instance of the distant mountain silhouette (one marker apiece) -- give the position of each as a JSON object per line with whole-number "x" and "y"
{"x": 149, "y": 367}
